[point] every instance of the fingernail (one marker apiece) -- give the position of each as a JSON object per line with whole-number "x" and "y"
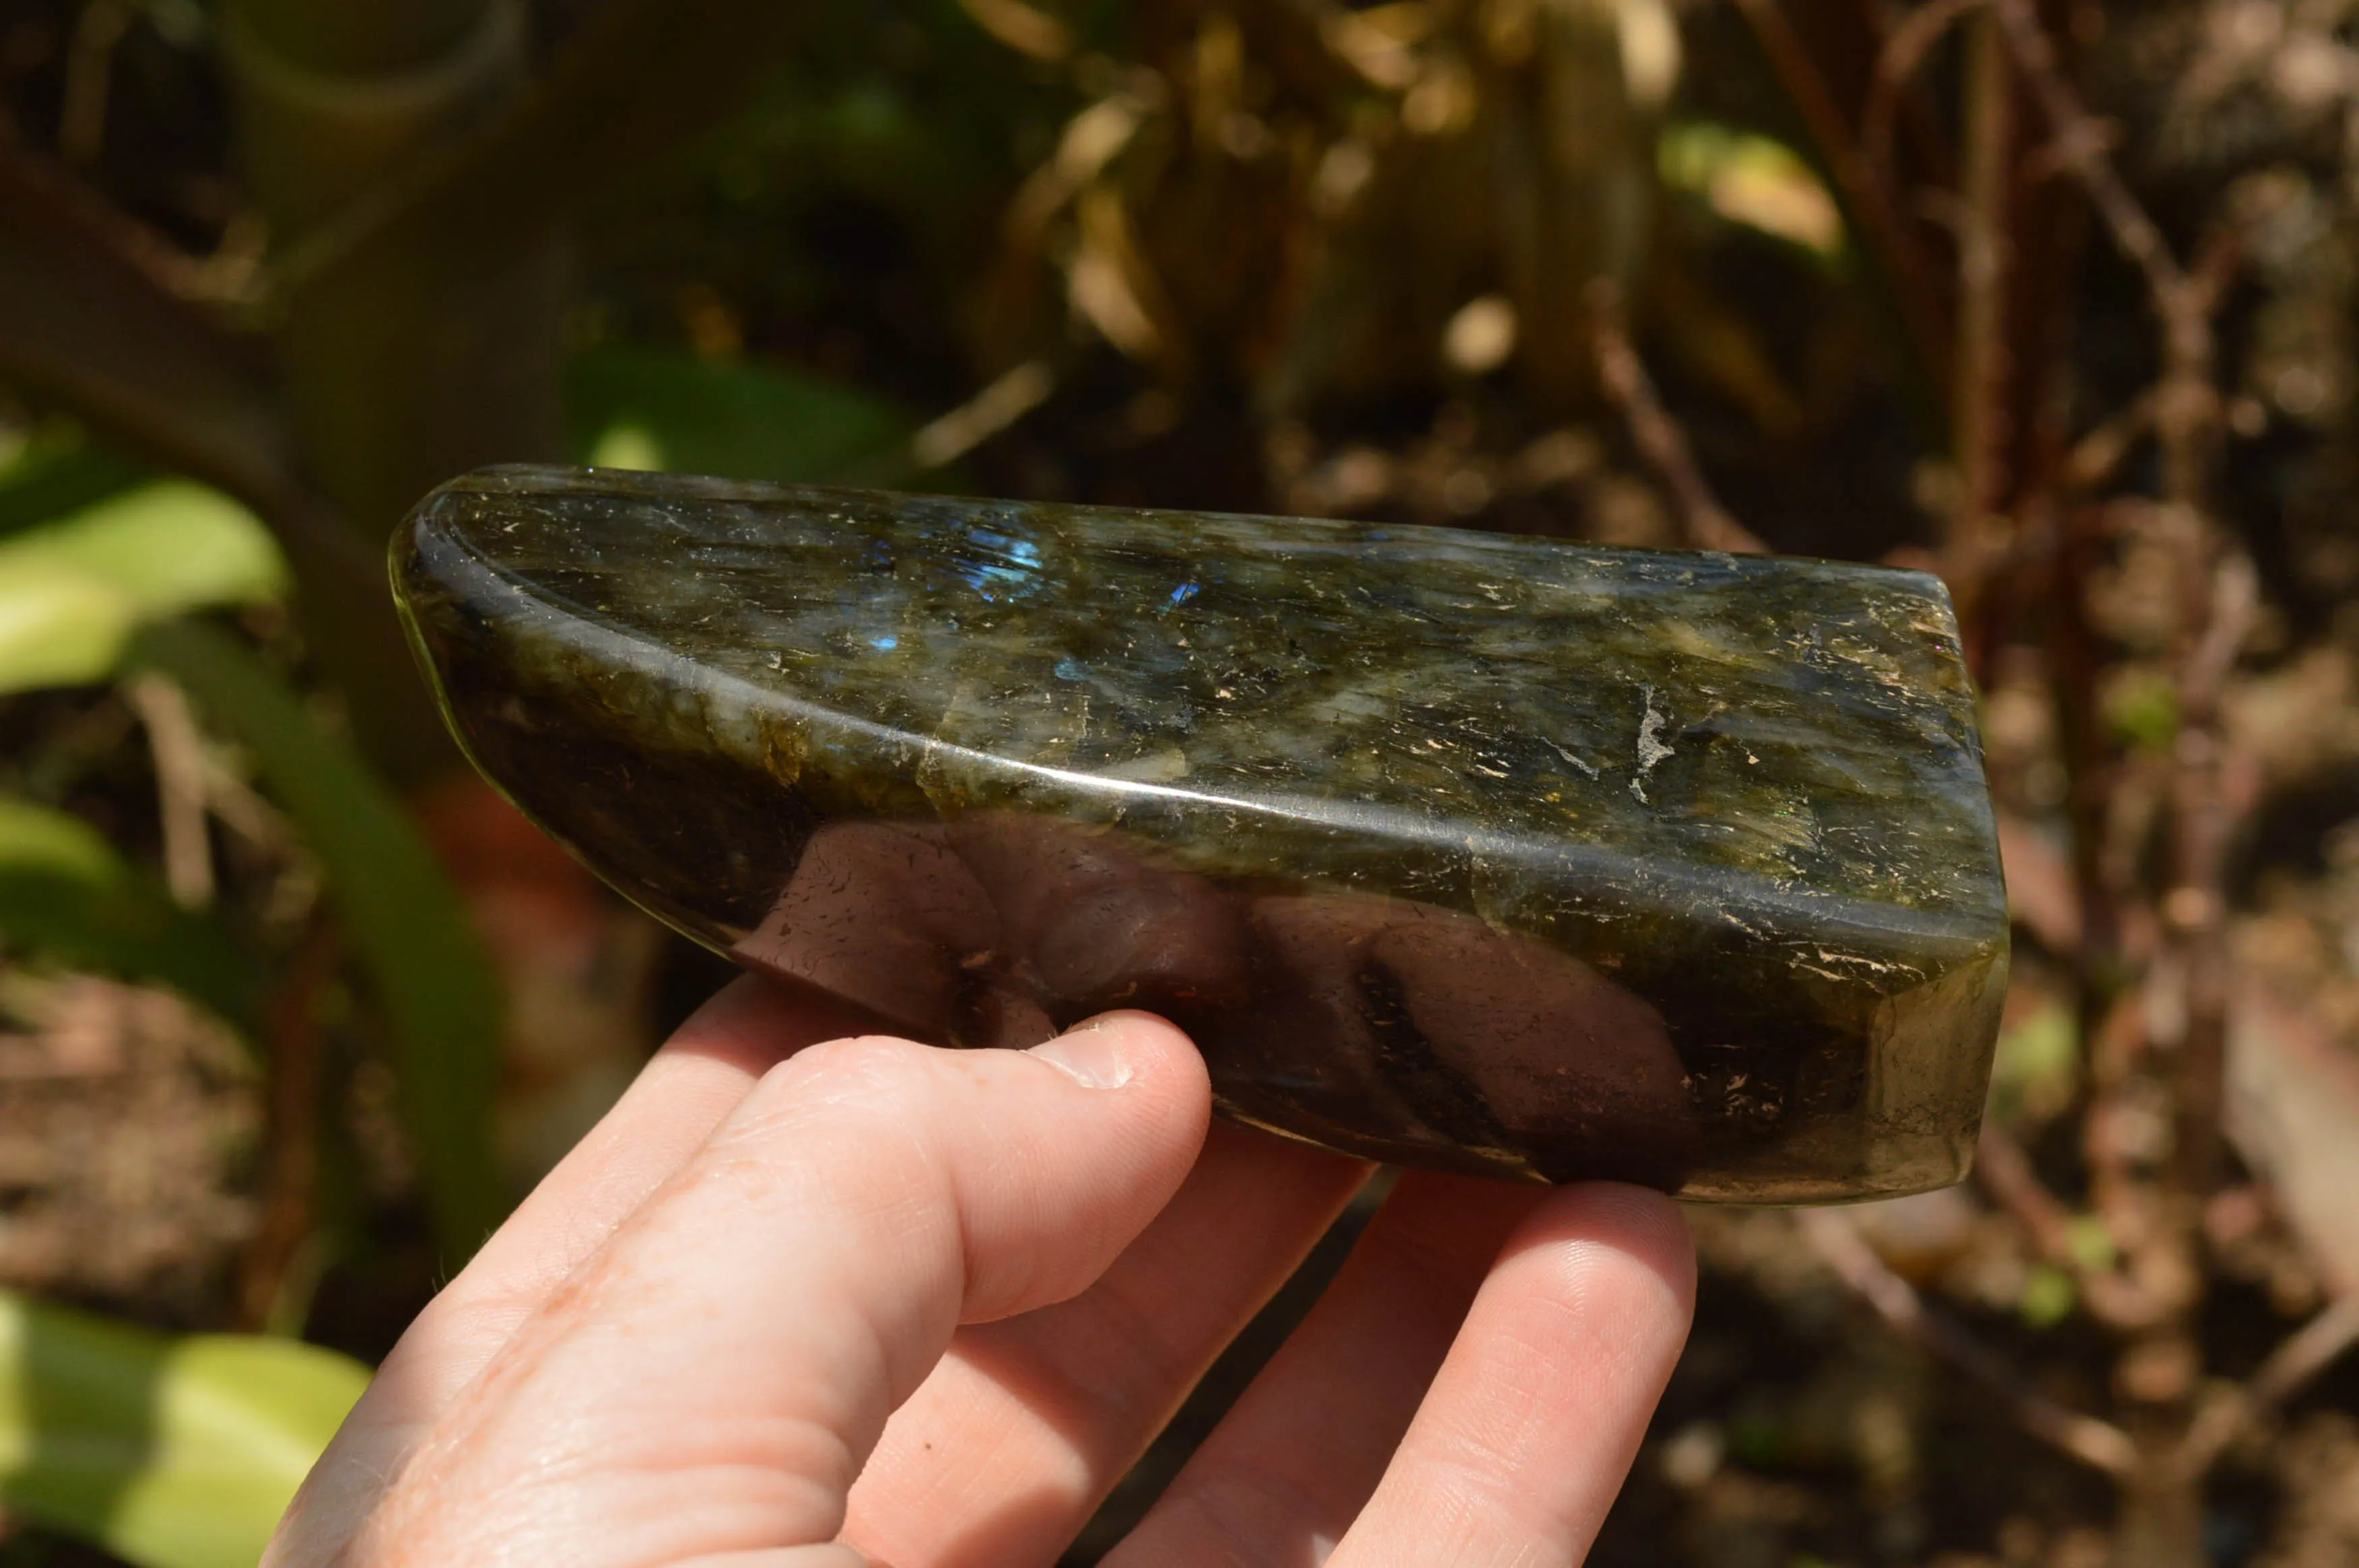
{"x": 1093, "y": 1054}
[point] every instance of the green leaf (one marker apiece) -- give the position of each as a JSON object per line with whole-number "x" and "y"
{"x": 56, "y": 472}
{"x": 2142, "y": 710}
{"x": 37, "y": 840}
{"x": 439, "y": 994}
{"x": 2048, "y": 1296}
{"x": 59, "y": 625}
{"x": 2092, "y": 1243}
{"x": 73, "y": 589}
{"x": 66, "y": 896}
{"x": 169, "y": 546}
{"x": 1749, "y": 180}
{"x": 171, "y": 1453}
{"x": 2037, "y": 1066}
{"x": 647, "y": 408}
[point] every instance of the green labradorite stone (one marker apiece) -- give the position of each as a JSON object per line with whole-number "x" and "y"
{"x": 1497, "y": 855}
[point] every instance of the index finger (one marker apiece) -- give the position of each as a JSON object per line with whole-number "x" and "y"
{"x": 692, "y": 1083}
{"x": 712, "y": 1380}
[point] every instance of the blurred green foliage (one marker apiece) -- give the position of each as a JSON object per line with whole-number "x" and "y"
{"x": 655, "y": 409}
{"x": 170, "y": 1452}
{"x": 73, "y": 588}
{"x": 429, "y": 971}
{"x": 65, "y": 894}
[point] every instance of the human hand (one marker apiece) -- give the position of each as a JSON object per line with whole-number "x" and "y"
{"x": 797, "y": 1304}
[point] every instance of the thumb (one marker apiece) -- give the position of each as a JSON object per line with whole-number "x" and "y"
{"x": 710, "y": 1383}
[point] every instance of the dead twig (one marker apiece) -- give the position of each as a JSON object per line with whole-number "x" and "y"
{"x": 2151, "y": 1202}
{"x": 2004, "y": 1172}
{"x": 2299, "y": 1358}
{"x": 2097, "y": 456}
{"x": 990, "y": 411}
{"x": 178, "y": 750}
{"x": 2095, "y": 1442}
{"x": 2080, "y": 143}
{"x": 1912, "y": 37}
{"x": 2304, "y": 1354}
{"x": 1706, "y": 523}
{"x": 1980, "y": 421}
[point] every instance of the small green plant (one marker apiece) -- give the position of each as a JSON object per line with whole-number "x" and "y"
{"x": 172, "y": 1452}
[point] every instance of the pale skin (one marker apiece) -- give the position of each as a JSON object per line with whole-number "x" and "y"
{"x": 809, "y": 1301}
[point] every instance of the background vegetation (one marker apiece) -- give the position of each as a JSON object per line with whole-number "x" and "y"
{"x": 2056, "y": 296}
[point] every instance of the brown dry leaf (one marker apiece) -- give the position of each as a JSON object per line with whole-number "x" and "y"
{"x": 1021, "y": 28}
{"x": 2041, "y": 892}
{"x": 1108, "y": 278}
{"x": 2293, "y": 1113}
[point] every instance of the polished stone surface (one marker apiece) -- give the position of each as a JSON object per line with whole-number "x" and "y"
{"x": 1491, "y": 854}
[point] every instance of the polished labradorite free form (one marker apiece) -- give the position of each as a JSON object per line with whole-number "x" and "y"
{"x": 1493, "y": 854}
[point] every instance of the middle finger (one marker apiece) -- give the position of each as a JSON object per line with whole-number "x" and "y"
{"x": 1025, "y": 1425}
{"x": 1282, "y": 1478}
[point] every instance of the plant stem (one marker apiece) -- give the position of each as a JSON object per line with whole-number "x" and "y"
{"x": 437, "y": 353}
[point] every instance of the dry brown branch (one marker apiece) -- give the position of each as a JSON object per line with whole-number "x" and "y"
{"x": 2079, "y": 144}
{"x": 2097, "y": 456}
{"x": 2305, "y": 1352}
{"x": 1912, "y": 38}
{"x": 2204, "y": 826}
{"x": 2299, "y": 1358}
{"x": 2097, "y": 1444}
{"x": 1863, "y": 192}
{"x": 1705, "y": 522}
{"x": 2004, "y": 1172}
{"x": 1980, "y": 419}
{"x": 2169, "y": 1031}
{"x": 292, "y": 1129}
{"x": 89, "y": 315}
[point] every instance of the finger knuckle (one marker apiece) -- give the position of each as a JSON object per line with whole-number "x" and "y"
{"x": 865, "y": 1072}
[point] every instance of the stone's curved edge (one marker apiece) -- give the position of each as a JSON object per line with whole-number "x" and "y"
{"x": 1641, "y": 886}
{"x": 527, "y": 479}
{"x": 1850, "y": 672}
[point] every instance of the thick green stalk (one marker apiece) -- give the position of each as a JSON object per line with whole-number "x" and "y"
{"x": 433, "y": 353}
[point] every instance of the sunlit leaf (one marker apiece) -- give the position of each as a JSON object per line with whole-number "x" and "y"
{"x": 647, "y": 409}
{"x": 439, "y": 994}
{"x": 59, "y": 624}
{"x": 35, "y": 838}
{"x": 2036, "y": 1066}
{"x": 72, "y": 590}
{"x": 2048, "y": 1296}
{"x": 169, "y": 1453}
{"x": 2142, "y": 710}
{"x": 66, "y": 896}
{"x": 1748, "y": 179}
{"x": 170, "y": 546}
{"x": 2092, "y": 1242}
{"x": 627, "y": 446}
